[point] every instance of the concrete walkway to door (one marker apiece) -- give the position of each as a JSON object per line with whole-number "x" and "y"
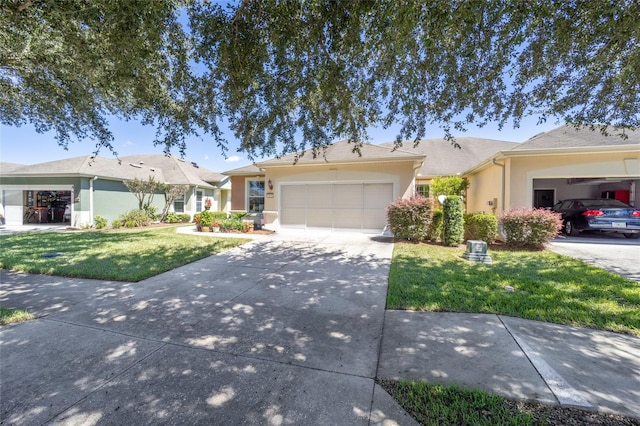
{"x": 289, "y": 329}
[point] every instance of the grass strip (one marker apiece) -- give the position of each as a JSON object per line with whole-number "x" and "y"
{"x": 433, "y": 404}
{"x": 546, "y": 287}
{"x": 123, "y": 255}
{"x": 11, "y": 316}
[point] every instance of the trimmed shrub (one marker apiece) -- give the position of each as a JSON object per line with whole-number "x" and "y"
{"x": 172, "y": 217}
{"x": 99, "y": 222}
{"x": 480, "y": 226}
{"x": 184, "y": 217}
{"x": 231, "y": 224}
{"x": 116, "y": 223}
{"x": 152, "y": 213}
{"x": 434, "y": 233}
{"x": 206, "y": 218}
{"x": 453, "y": 221}
{"x": 135, "y": 218}
{"x": 530, "y": 227}
{"x": 410, "y": 218}
{"x": 219, "y": 216}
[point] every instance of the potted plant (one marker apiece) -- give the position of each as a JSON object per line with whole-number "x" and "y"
{"x": 197, "y": 218}
{"x": 215, "y": 226}
{"x": 207, "y": 203}
{"x": 206, "y": 219}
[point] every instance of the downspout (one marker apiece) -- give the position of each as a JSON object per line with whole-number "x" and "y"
{"x": 502, "y": 179}
{"x": 72, "y": 206}
{"x": 91, "y": 215}
{"x": 194, "y": 201}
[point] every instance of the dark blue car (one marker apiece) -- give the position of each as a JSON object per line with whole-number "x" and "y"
{"x": 607, "y": 215}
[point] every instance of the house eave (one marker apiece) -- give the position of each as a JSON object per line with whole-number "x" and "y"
{"x": 519, "y": 153}
{"x": 416, "y": 158}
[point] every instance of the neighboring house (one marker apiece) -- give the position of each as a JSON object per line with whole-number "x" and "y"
{"x": 560, "y": 164}
{"x": 445, "y": 159}
{"x": 75, "y": 190}
{"x": 339, "y": 189}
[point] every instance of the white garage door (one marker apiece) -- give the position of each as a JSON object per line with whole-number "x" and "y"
{"x": 338, "y": 206}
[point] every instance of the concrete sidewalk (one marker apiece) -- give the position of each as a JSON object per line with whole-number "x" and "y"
{"x": 289, "y": 329}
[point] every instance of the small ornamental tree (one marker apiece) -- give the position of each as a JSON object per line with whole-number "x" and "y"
{"x": 410, "y": 218}
{"x": 171, "y": 193}
{"x": 530, "y": 227}
{"x": 453, "y": 221}
{"x": 448, "y": 185}
{"x": 144, "y": 190}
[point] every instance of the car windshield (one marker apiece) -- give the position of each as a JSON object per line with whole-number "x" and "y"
{"x": 603, "y": 203}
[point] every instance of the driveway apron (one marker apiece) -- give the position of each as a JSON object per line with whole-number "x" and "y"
{"x": 284, "y": 330}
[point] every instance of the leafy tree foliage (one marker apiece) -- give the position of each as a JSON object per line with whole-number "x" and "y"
{"x": 171, "y": 193}
{"x": 448, "y": 185}
{"x": 289, "y": 74}
{"x": 144, "y": 190}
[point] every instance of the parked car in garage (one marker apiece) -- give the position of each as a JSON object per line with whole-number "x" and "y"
{"x": 607, "y": 215}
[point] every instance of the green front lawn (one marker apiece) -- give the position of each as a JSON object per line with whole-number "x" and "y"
{"x": 123, "y": 255}
{"x": 546, "y": 287}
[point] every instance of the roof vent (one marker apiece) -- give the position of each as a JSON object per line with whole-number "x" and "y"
{"x": 153, "y": 169}
{"x": 141, "y": 162}
{"x": 138, "y": 166}
{"x": 194, "y": 164}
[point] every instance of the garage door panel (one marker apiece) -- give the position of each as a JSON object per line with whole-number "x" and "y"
{"x": 319, "y": 196}
{"x": 293, "y": 210}
{"x": 374, "y": 219}
{"x": 320, "y": 218}
{"x": 339, "y": 206}
{"x": 293, "y": 196}
{"x": 377, "y": 195}
{"x": 347, "y": 196}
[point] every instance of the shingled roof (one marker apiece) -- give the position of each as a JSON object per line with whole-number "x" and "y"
{"x": 162, "y": 168}
{"x": 250, "y": 170}
{"x": 567, "y": 137}
{"x": 444, "y": 159}
{"x": 343, "y": 152}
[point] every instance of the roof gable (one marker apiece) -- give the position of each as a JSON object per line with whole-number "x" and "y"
{"x": 343, "y": 152}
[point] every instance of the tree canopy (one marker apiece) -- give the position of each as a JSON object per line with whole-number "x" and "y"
{"x": 290, "y": 74}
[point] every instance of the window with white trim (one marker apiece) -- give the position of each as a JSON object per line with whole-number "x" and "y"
{"x": 422, "y": 189}
{"x": 255, "y": 196}
{"x": 198, "y": 201}
{"x": 178, "y": 205}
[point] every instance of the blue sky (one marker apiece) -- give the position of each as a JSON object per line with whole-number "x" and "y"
{"x": 23, "y": 145}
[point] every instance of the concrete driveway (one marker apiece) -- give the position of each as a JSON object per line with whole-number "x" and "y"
{"x": 289, "y": 329}
{"x": 285, "y": 331}
{"x": 608, "y": 251}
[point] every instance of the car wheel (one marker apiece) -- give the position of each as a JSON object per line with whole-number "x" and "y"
{"x": 569, "y": 229}
{"x": 632, "y": 236}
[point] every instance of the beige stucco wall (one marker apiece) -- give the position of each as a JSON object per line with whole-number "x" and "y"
{"x": 484, "y": 187}
{"x": 523, "y": 174}
{"x": 400, "y": 174}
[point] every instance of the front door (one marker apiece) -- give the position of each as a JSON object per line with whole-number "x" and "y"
{"x": 543, "y": 198}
